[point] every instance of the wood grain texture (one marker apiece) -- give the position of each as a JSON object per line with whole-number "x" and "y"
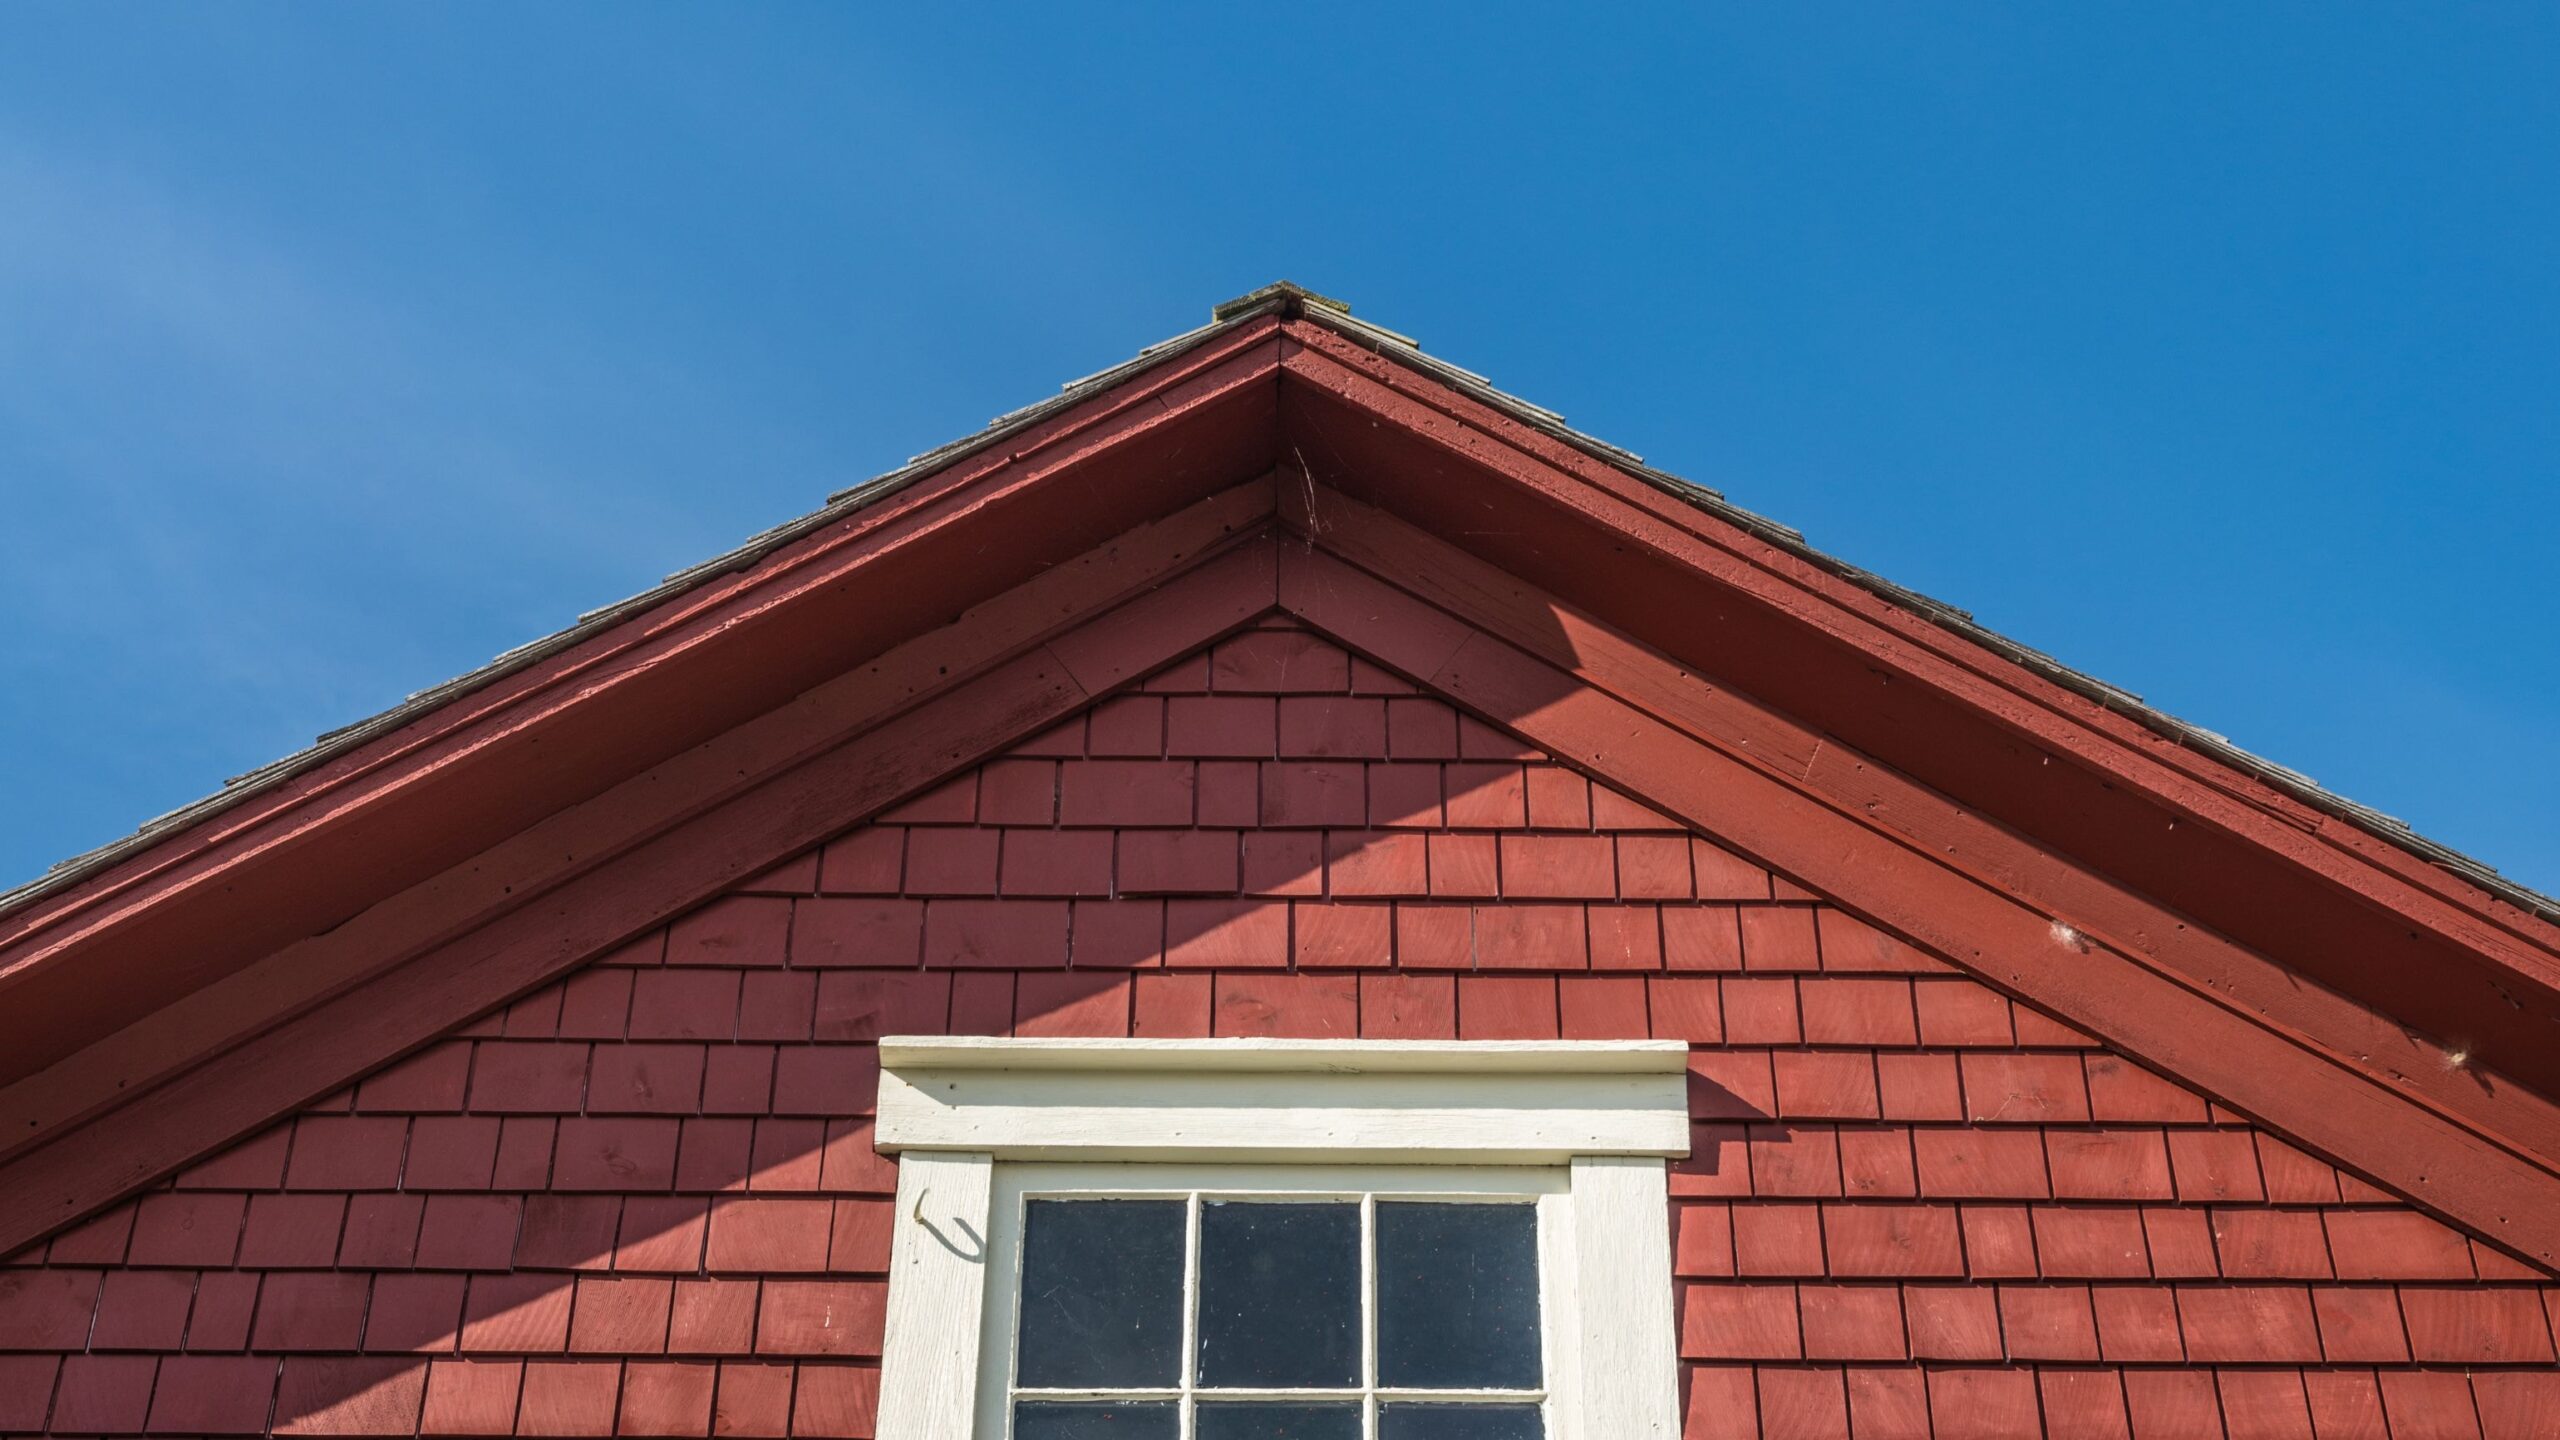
{"x": 937, "y": 1294}
{"x": 2103, "y": 907}
{"x": 1280, "y": 1056}
{"x": 2333, "y": 1109}
{"x": 1460, "y": 424}
{"x": 1437, "y": 1105}
{"x": 648, "y": 1190}
{"x": 651, "y": 878}
{"x": 188, "y": 1028}
{"x": 295, "y": 859}
{"x": 1978, "y": 727}
{"x": 1627, "y": 1348}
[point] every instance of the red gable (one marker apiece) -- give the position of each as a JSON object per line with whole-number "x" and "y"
{"x": 2055, "y": 1067}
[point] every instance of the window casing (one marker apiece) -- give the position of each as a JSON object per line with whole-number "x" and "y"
{"x": 1575, "y": 1133}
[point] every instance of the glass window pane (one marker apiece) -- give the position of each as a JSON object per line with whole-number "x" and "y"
{"x": 1278, "y": 1422}
{"x": 1086, "y": 1420}
{"x": 1458, "y": 1296}
{"x": 1279, "y": 1294}
{"x": 1460, "y": 1422}
{"x": 1101, "y": 1295}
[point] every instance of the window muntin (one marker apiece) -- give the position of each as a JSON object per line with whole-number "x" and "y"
{"x": 1291, "y": 1329}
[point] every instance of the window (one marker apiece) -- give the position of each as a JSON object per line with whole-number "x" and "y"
{"x": 1276, "y": 1240}
{"x": 1256, "y": 1303}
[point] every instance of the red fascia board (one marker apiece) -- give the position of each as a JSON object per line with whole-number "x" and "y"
{"x": 1468, "y": 427}
{"x": 1127, "y": 575}
{"x": 2329, "y": 1107}
{"x": 2210, "y": 877}
{"x": 678, "y": 615}
{"x": 1426, "y": 463}
{"x": 241, "y": 883}
{"x": 2202, "y": 880}
{"x": 2097, "y": 904}
{"x": 659, "y": 870}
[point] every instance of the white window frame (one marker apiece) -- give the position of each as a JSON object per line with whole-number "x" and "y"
{"x": 1607, "y": 1115}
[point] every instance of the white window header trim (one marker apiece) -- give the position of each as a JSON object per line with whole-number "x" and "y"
{"x": 1284, "y": 1101}
{"x": 981, "y": 1052}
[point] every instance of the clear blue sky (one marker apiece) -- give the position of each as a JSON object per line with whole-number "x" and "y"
{"x": 2214, "y": 349}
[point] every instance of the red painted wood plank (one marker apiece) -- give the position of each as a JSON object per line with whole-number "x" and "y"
{"x": 406, "y": 804}
{"x": 188, "y": 1027}
{"x": 2104, "y": 908}
{"x": 652, "y": 879}
{"x": 2329, "y": 1108}
{"x": 1311, "y": 351}
{"x": 1427, "y": 456}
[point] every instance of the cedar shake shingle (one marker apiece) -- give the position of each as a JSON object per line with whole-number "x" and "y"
{"x": 645, "y": 1195}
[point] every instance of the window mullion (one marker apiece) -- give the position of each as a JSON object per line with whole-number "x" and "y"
{"x": 1369, "y": 1316}
{"x": 1188, "y": 1407}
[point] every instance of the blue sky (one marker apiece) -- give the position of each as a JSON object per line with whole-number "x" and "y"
{"x": 2213, "y": 349}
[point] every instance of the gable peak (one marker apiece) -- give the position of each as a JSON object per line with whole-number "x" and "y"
{"x": 1286, "y": 298}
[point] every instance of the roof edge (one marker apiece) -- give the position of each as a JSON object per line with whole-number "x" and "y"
{"x": 1288, "y": 300}
{"x": 332, "y": 744}
{"x": 2210, "y": 743}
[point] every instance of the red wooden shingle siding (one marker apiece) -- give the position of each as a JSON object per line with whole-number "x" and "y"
{"x": 646, "y": 1198}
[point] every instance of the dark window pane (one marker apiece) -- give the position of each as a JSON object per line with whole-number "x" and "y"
{"x": 1278, "y": 1422}
{"x": 1460, "y": 1422}
{"x": 1101, "y": 1294}
{"x": 1087, "y": 1420}
{"x": 1279, "y": 1295}
{"x": 1458, "y": 1296}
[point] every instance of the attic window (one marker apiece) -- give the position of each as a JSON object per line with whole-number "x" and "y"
{"x": 1252, "y": 1301}
{"x": 1246, "y": 1240}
